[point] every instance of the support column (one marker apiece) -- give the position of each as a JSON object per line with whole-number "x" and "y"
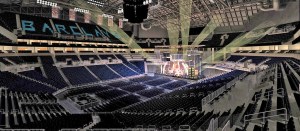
{"x": 212, "y": 54}
{"x": 224, "y": 54}
{"x": 18, "y": 21}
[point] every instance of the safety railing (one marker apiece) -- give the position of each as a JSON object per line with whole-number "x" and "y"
{"x": 226, "y": 127}
{"x": 213, "y": 124}
{"x": 220, "y": 91}
{"x": 280, "y": 113}
{"x": 213, "y": 95}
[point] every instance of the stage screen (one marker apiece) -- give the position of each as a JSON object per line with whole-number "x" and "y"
{"x": 176, "y": 68}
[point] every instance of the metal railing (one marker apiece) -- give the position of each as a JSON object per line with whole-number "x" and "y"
{"x": 213, "y": 124}
{"x": 269, "y": 94}
{"x": 213, "y": 95}
{"x": 227, "y": 126}
{"x": 266, "y": 115}
{"x": 184, "y": 128}
{"x": 220, "y": 91}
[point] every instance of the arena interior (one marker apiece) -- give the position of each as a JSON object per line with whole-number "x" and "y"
{"x": 149, "y": 65}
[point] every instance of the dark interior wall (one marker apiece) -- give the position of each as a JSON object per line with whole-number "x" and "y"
{"x": 154, "y": 32}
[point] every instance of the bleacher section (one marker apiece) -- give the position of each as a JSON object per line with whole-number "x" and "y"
{"x": 89, "y": 89}
{"x": 106, "y": 57}
{"x": 122, "y": 70}
{"x": 18, "y": 83}
{"x": 78, "y": 75}
{"x": 256, "y": 59}
{"x": 88, "y": 57}
{"x": 64, "y": 58}
{"x": 36, "y": 111}
{"x": 51, "y": 71}
{"x": 38, "y": 76}
{"x": 140, "y": 65}
{"x": 103, "y": 72}
{"x": 140, "y": 101}
{"x": 130, "y": 65}
{"x": 58, "y": 77}
{"x": 74, "y": 75}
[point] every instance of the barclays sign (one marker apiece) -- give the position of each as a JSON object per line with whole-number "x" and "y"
{"x": 33, "y": 27}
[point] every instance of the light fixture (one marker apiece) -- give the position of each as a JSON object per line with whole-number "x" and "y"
{"x": 76, "y": 9}
{"x": 95, "y": 2}
{"x": 146, "y": 2}
{"x": 46, "y": 3}
{"x": 107, "y": 16}
{"x": 120, "y": 10}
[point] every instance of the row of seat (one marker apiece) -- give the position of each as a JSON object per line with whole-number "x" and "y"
{"x": 115, "y": 104}
{"x": 18, "y": 83}
{"x": 25, "y": 110}
{"x": 75, "y": 75}
{"x": 158, "y": 82}
{"x": 78, "y": 75}
{"x": 51, "y": 71}
{"x": 115, "y": 91}
{"x": 138, "y": 66}
{"x": 256, "y": 59}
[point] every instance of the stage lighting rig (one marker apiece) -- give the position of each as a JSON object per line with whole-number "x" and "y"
{"x": 136, "y": 10}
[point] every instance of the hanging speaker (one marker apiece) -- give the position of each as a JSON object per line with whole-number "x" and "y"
{"x": 135, "y": 10}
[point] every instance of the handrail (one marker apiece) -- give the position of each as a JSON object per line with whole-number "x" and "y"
{"x": 221, "y": 90}
{"x": 269, "y": 93}
{"x": 184, "y": 128}
{"x": 266, "y": 111}
{"x": 285, "y": 113}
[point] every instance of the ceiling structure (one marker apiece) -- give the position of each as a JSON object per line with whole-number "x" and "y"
{"x": 223, "y": 12}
